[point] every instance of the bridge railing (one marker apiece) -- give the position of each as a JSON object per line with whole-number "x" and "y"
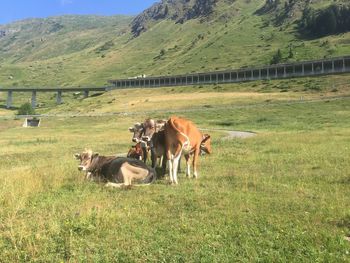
{"x": 298, "y": 69}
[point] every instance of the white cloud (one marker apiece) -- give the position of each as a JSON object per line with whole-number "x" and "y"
{"x": 66, "y": 2}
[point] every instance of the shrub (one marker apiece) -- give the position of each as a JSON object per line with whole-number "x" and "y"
{"x": 26, "y": 109}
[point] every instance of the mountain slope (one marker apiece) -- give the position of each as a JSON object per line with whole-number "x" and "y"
{"x": 219, "y": 35}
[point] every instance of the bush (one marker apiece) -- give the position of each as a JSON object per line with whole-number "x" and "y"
{"x": 26, "y": 109}
{"x": 277, "y": 58}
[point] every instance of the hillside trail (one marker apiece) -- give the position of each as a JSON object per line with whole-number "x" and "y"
{"x": 233, "y": 134}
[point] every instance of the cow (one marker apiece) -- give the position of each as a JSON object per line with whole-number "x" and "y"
{"x": 157, "y": 145}
{"x": 115, "y": 171}
{"x": 142, "y": 133}
{"x": 182, "y": 136}
{"x": 136, "y": 152}
{"x": 154, "y": 135}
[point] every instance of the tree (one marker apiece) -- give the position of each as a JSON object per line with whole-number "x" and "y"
{"x": 277, "y": 58}
{"x": 26, "y": 109}
{"x": 291, "y": 53}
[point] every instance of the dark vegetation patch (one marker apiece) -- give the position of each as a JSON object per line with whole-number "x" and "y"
{"x": 328, "y": 21}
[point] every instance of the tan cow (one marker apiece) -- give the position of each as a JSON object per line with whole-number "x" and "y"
{"x": 182, "y": 136}
{"x": 115, "y": 171}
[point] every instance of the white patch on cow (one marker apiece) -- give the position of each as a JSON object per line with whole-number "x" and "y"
{"x": 114, "y": 185}
{"x": 82, "y": 167}
{"x": 88, "y": 175}
{"x": 195, "y": 174}
{"x": 170, "y": 164}
{"x": 188, "y": 172}
{"x": 175, "y": 166}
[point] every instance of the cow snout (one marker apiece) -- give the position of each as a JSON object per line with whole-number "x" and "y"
{"x": 81, "y": 168}
{"x": 146, "y": 138}
{"x": 135, "y": 140}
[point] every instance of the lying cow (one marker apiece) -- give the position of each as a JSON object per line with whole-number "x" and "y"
{"x": 182, "y": 136}
{"x": 136, "y": 152}
{"x": 117, "y": 171}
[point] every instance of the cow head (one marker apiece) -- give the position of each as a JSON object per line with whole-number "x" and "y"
{"x": 137, "y": 131}
{"x": 150, "y": 127}
{"x": 85, "y": 159}
{"x": 206, "y": 144}
{"x": 136, "y": 152}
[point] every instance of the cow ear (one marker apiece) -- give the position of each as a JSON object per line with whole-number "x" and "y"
{"x": 206, "y": 137}
{"x": 95, "y": 155}
{"x": 131, "y": 129}
{"x": 77, "y": 156}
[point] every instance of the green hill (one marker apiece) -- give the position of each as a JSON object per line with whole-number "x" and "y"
{"x": 170, "y": 37}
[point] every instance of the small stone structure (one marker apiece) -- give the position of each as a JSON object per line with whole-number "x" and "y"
{"x": 33, "y": 122}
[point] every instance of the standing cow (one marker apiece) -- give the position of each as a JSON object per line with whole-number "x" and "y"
{"x": 182, "y": 136}
{"x": 143, "y": 132}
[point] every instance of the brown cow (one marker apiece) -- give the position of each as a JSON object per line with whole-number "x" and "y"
{"x": 136, "y": 152}
{"x": 143, "y": 132}
{"x": 182, "y": 136}
{"x": 117, "y": 171}
{"x": 154, "y": 135}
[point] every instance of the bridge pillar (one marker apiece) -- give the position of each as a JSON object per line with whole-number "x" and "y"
{"x": 322, "y": 71}
{"x": 260, "y": 73}
{"x": 34, "y": 99}
{"x": 9, "y": 99}
{"x": 276, "y": 73}
{"x": 285, "y": 71}
{"x": 303, "y": 69}
{"x": 312, "y": 68}
{"x": 344, "y": 65}
{"x": 333, "y": 68}
{"x": 86, "y": 94}
{"x": 59, "y": 97}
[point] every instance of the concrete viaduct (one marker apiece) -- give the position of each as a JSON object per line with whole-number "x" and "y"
{"x": 58, "y": 92}
{"x": 310, "y": 68}
{"x": 280, "y": 71}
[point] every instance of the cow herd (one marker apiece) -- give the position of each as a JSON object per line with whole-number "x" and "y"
{"x": 164, "y": 141}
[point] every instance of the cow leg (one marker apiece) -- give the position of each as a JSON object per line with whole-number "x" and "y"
{"x": 179, "y": 166}
{"x": 195, "y": 162}
{"x": 145, "y": 154}
{"x": 175, "y": 166}
{"x": 188, "y": 166}
{"x": 114, "y": 185}
{"x": 164, "y": 160}
{"x": 153, "y": 158}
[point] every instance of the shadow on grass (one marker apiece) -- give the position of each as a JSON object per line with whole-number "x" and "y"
{"x": 5, "y": 108}
{"x": 344, "y": 222}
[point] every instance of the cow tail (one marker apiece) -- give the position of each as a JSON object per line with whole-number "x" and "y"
{"x": 178, "y": 131}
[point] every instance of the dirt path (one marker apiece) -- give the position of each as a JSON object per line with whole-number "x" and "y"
{"x": 233, "y": 134}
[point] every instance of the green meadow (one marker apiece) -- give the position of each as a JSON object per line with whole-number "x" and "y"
{"x": 281, "y": 196}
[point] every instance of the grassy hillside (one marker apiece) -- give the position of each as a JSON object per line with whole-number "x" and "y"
{"x": 281, "y": 196}
{"x": 78, "y": 51}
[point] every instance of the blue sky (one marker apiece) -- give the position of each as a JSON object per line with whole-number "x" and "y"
{"x": 12, "y": 10}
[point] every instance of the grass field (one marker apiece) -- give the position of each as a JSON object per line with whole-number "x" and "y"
{"x": 281, "y": 196}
